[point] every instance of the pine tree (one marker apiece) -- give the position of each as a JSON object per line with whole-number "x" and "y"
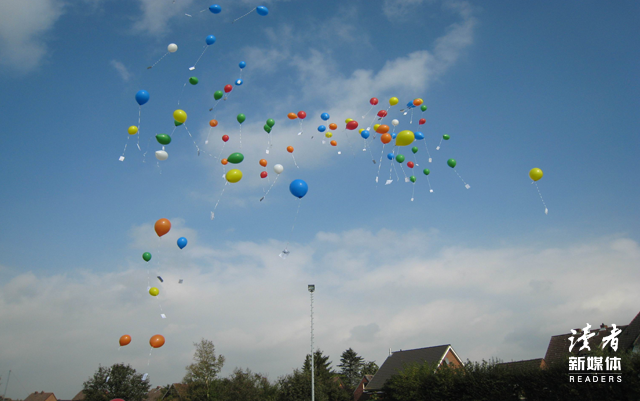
{"x": 351, "y": 366}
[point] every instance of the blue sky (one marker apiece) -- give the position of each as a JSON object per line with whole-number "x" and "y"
{"x": 516, "y": 86}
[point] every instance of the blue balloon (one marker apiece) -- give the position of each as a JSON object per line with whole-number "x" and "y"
{"x": 262, "y": 10}
{"x": 142, "y": 97}
{"x": 393, "y": 135}
{"x": 182, "y": 242}
{"x": 390, "y": 156}
{"x": 325, "y": 116}
{"x": 211, "y": 39}
{"x": 322, "y": 128}
{"x": 410, "y": 105}
{"x": 242, "y": 64}
{"x": 298, "y": 188}
{"x": 215, "y": 9}
{"x": 365, "y": 134}
{"x": 419, "y": 135}
{"x": 239, "y": 82}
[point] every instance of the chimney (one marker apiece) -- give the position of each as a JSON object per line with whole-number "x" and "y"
{"x": 603, "y": 327}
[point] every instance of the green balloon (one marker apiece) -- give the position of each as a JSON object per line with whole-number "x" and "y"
{"x": 414, "y": 149}
{"x": 241, "y": 117}
{"x": 271, "y": 122}
{"x": 267, "y": 129}
{"x": 146, "y": 256}
{"x": 218, "y": 95}
{"x": 177, "y": 123}
{"x": 193, "y": 81}
{"x": 163, "y": 139}
{"x": 413, "y": 178}
{"x": 400, "y": 158}
{"x": 235, "y": 158}
{"x": 426, "y": 171}
{"x": 445, "y": 137}
{"x": 423, "y": 107}
{"x": 452, "y": 163}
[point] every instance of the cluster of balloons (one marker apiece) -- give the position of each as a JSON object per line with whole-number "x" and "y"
{"x": 156, "y": 341}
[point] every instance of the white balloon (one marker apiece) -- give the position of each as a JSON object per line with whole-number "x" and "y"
{"x": 395, "y": 122}
{"x": 278, "y": 168}
{"x": 172, "y": 48}
{"x": 161, "y": 155}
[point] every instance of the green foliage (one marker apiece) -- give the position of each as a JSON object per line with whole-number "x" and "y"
{"x": 351, "y": 365}
{"x": 247, "y": 386}
{"x": 370, "y": 368}
{"x": 202, "y": 374}
{"x": 327, "y": 383}
{"x": 123, "y": 383}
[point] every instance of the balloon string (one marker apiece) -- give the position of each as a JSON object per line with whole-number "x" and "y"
{"x": 429, "y": 181}
{"x": 268, "y": 143}
{"x": 125, "y": 149}
{"x": 294, "y": 223}
{"x": 240, "y": 135}
{"x": 274, "y": 183}
{"x": 214, "y": 106}
{"x": 346, "y": 133}
{"x": 221, "y": 150}
{"x": 403, "y": 172}
{"x": 139, "y": 114}
{"x": 149, "y": 360}
{"x": 244, "y": 15}
{"x": 183, "y": 86}
{"x": 365, "y": 114}
{"x": 144, "y": 155}
{"x": 294, "y": 160}
{"x": 411, "y": 121}
{"x": 205, "y": 49}
{"x": 194, "y": 141}
{"x": 208, "y": 135}
{"x": 438, "y": 148}
{"x": 413, "y": 191}
{"x": 300, "y": 133}
{"x": 395, "y": 169}
{"x": 154, "y": 64}
{"x": 546, "y": 211}
{"x": 380, "y": 163}
{"x": 465, "y": 184}
{"x": 220, "y": 197}
{"x": 427, "y": 147}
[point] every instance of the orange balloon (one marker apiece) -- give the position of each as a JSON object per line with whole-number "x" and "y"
{"x": 156, "y": 341}
{"x": 162, "y": 227}
{"x": 334, "y": 143}
{"x": 385, "y": 138}
{"x": 263, "y": 162}
{"x": 224, "y": 161}
{"x": 292, "y": 116}
{"x": 290, "y": 149}
{"x": 383, "y": 129}
{"x": 417, "y": 102}
{"x": 333, "y": 126}
{"x": 124, "y": 340}
{"x": 213, "y": 123}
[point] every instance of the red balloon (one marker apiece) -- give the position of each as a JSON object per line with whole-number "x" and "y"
{"x": 263, "y": 174}
{"x": 352, "y": 125}
{"x": 373, "y": 101}
{"x": 225, "y": 138}
{"x": 228, "y": 88}
{"x": 382, "y": 113}
{"x": 410, "y": 164}
{"x": 422, "y": 121}
{"x": 302, "y": 115}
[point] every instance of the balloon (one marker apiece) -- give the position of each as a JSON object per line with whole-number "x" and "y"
{"x": 213, "y": 123}
{"x": 375, "y": 127}
{"x": 228, "y": 88}
{"x": 382, "y": 113}
{"x": 414, "y": 150}
{"x": 426, "y": 171}
{"x": 161, "y": 155}
{"x": 225, "y": 138}
{"x": 419, "y": 135}
{"x": 215, "y": 9}
{"x": 177, "y": 123}
{"x": 278, "y": 169}
{"x": 263, "y": 174}
{"x": 352, "y": 125}
{"x": 333, "y": 126}
{"x": 393, "y": 135}
{"x": 154, "y": 291}
{"x": 180, "y": 116}
{"x": 451, "y": 163}
{"x": 302, "y": 115}
{"x": 241, "y": 117}
{"x": 262, "y": 10}
{"x": 292, "y": 116}
{"x": 328, "y": 134}
{"x": 383, "y": 129}
{"x": 322, "y": 128}
{"x": 423, "y": 107}
{"x": 365, "y": 134}
{"x": 410, "y": 164}
{"x": 217, "y": 95}
{"x": 348, "y": 120}
{"x": 224, "y": 161}
{"x": 412, "y": 178}
{"x": 290, "y": 149}
{"x": 238, "y": 82}
{"x": 400, "y": 158}
{"x": 405, "y": 138}
{"x": 271, "y": 122}
{"x": 146, "y": 256}
{"x": 234, "y": 175}
{"x": 172, "y": 48}
{"x": 132, "y": 130}
{"x": 163, "y": 139}
{"x": 410, "y": 105}
{"x": 360, "y": 130}
{"x": 182, "y": 242}
{"x": 422, "y": 121}
{"x": 417, "y": 102}
{"x": 445, "y": 137}
{"x": 210, "y": 40}
{"x": 333, "y": 143}
{"x": 125, "y": 340}
{"x": 162, "y": 227}
{"x": 267, "y": 129}
{"x": 390, "y": 156}
{"x": 535, "y": 174}
{"x": 395, "y": 122}
{"x": 235, "y": 158}
{"x": 373, "y": 101}
{"x": 193, "y": 81}
{"x": 156, "y": 341}
{"x": 298, "y": 188}
{"x": 385, "y": 138}
{"x": 142, "y": 97}
{"x": 393, "y": 101}
{"x": 325, "y": 116}
{"x": 263, "y": 162}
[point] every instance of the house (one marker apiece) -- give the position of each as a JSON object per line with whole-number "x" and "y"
{"x": 538, "y": 363}
{"x": 79, "y": 396}
{"x": 41, "y": 396}
{"x": 628, "y": 340}
{"x": 358, "y": 393}
{"x": 396, "y": 361}
{"x": 175, "y": 391}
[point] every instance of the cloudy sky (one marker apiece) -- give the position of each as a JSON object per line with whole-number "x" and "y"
{"x": 516, "y": 86}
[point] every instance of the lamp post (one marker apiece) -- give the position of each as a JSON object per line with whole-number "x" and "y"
{"x": 311, "y": 289}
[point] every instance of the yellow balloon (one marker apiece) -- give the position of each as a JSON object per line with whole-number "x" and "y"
{"x": 180, "y": 116}
{"x": 132, "y": 130}
{"x": 375, "y": 127}
{"x": 360, "y": 131}
{"x": 535, "y": 174}
{"x": 328, "y": 134}
{"x": 348, "y": 120}
{"x": 393, "y": 101}
{"x": 154, "y": 291}
{"x": 405, "y": 138}
{"x": 234, "y": 175}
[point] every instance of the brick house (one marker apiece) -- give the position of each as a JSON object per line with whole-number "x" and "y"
{"x": 41, "y": 396}
{"x": 358, "y": 393}
{"x": 538, "y": 363}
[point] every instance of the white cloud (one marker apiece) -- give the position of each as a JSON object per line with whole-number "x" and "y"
{"x": 122, "y": 70}
{"x": 156, "y": 14}
{"x": 23, "y": 25}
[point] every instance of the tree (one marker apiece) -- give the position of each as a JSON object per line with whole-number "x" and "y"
{"x": 370, "y": 368}
{"x": 118, "y": 381}
{"x": 202, "y": 374}
{"x": 351, "y": 368}
{"x": 247, "y": 386}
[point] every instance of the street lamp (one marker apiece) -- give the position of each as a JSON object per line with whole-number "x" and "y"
{"x": 312, "y": 288}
